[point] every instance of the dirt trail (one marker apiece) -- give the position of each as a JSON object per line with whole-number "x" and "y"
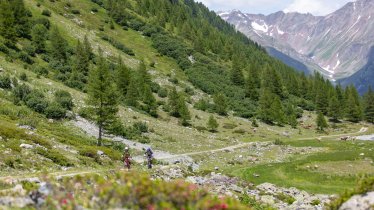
{"x": 362, "y": 130}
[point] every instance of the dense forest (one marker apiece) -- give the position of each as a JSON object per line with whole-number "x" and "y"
{"x": 239, "y": 75}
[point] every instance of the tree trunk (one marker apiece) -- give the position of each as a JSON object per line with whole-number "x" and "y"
{"x": 100, "y": 134}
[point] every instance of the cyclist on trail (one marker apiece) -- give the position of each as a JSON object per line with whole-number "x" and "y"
{"x": 149, "y": 155}
{"x": 127, "y": 158}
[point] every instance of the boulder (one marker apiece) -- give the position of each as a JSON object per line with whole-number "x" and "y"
{"x": 359, "y": 202}
{"x": 100, "y": 153}
{"x": 26, "y": 146}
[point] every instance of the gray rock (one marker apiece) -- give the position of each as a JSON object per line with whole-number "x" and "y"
{"x": 26, "y": 146}
{"x": 100, "y": 153}
{"x": 359, "y": 202}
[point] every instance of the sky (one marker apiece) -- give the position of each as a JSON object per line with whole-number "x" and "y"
{"x": 316, "y": 7}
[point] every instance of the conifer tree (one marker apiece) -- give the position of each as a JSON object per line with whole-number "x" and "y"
{"x": 21, "y": 17}
{"x": 132, "y": 94}
{"x": 59, "y": 46}
{"x": 369, "y": 105}
{"x": 122, "y": 78}
{"x": 237, "y": 77}
{"x": 220, "y": 104}
{"x": 184, "y": 113}
{"x": 87, "y": 48}
{"x": 150, "y": 101}
{"x": 102, "y": 96}
{"x": 334, "y": 110}
{"x": 7, "y": 23}
{"x": 39, "y": 35}
{"x": 212, "y": 124}
{"x": 81, "y": 59}
{"x": 252, "y": 83}
{"x": 270, "y": 108}
{"x": 321, "y": 122}
{"x": 354, "y": 108}
{"x": 173, "y": 103}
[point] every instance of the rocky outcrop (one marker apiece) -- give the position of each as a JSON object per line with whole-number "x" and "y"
{"x": 359, "y": 202}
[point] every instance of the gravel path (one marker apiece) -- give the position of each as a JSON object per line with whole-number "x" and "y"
{"x": 92, "y": 130}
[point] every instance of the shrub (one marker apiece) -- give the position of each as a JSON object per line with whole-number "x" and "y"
{"x": 118, "y": 45}
{"x": 285, "y": 198}
{"x": 75, "y": 11}
{"x": 54, "y": 155}
{"x": 278, "y": 142}
{"x": 46, "y": 12}
{"x": 229, "y": 126}
{"x": 65, "y": 99}
{"x": 94, "y": 9}
{"x": 5, "y": 82}
{"x": 37, "y": 101}
{"x": 23, "y": 77}
{"x": 21, "y": 92}
{"x": 162, "y": 93}
{"x": 140, "y": 127}
{"x": 55, "y": 111}
{"x": 44, "y": 21}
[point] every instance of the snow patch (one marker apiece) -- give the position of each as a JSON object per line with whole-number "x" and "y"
{"x": 264, "y": 28}
{"x": 354, "y": 6}
{"x": 337, "y": 64}
{"x": 280, "y": 31}
{"x": 224, "y": 13}
{"x": 327, "y": 68}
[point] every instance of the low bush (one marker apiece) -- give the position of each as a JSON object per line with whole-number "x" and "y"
{"x": 55, "y": 111}
{"x": 5, "y": 82}
{"x": 46, "y": 12}
{"x": 55, "y": 156}
{"x": 65, "y": 99}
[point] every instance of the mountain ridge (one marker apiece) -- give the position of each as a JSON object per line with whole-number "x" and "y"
{"x": 337, "y": 45}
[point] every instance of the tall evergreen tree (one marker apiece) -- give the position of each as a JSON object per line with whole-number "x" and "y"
{"x": 270, "y": 108}
{"x": 220, "y": 104}
{"x": 237, "y": 76}
{"x": 7, "y": 23}
{"x": 184, "y": 113}
{"x": 149, "y": 101}
{"x": 102, "y": 96}
{"x": 335, "y": 108}
{"x": 212, "y": 124}
{"x": 122, "y": 78}
{"x": 81, "y": 60}
{"x": 354, "y": 108}
{"x": 21, "y": 17}
{"x": 369, "y": 105}
{"x": 252, "y": 83}
{"x": 321, "y": 122}
{"x": 39, "y": 35}
{"x": 59, "y": 46}
{"x": 132, "y": 94}
{"x": 173, "y": 103}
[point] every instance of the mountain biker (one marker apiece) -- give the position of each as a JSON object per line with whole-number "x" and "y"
{"x": 149, "y": 155}
{"x": 127, "y": 158}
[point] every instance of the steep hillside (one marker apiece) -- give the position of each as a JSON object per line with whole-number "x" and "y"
{"x": 337, "y": 45}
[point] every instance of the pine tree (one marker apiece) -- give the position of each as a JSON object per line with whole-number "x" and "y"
{"x": 220, "y": 104}
{"x": 87, "y": 48}
{"x": 321, "y": 122}
{"x": 369, "y": 105}
{"x": 21, "y": 17}
{"x": 150, "y": 101}
{"x": 334, "y": 110}
{"x": 81, "y": 61}
{"x": 270, "y": 108}
{"x": 59, "y": 46}
{"x": 39, "y": 35}
{"x": 212, "y": 124}
{"x": 173, "y": 103}
{"x": 132, "y": 94}
{"x": 354, "y": 108}
{"x": 122, "y": 78}
{"x": 252, "y": 83}
{"x": 102, "y": 96}
{"x": 237, "y": 77}
{"x": 184, "y": 113}
{"x": 7, "y": 23}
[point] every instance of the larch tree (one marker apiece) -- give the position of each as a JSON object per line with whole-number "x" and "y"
{"x": 102, "y": 96}
{"x": 369, "y": 105}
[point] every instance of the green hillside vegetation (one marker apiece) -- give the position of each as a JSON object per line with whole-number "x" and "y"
{"x": 172, "y": 74}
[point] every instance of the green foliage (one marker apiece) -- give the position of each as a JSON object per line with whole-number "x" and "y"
{"x": 102, "y": 95}
{"x": 354, "y": 107}
{"x": 37, "y": 101}
{"x": 46, "y": 12}
{"x": 5, "y": 82}
{"x": 118, "y": 45}
{"x": 220, "y": 104}
{"x": 212, "y": 124}
{"x": 369, "y": 105}
{"x": 279, "y": 142}
{"x": 270, "y": 108}
{"x": 285, "y": 198}
{"x": 55, "y": 111}
{"x": 321, "y": 122}
{"x": 39, "y": 34}
{"x": 64, "y": 99}
{"x": 54, "y": 156}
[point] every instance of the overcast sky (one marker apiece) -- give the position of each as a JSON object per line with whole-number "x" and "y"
{"x": 316, "y": 7}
